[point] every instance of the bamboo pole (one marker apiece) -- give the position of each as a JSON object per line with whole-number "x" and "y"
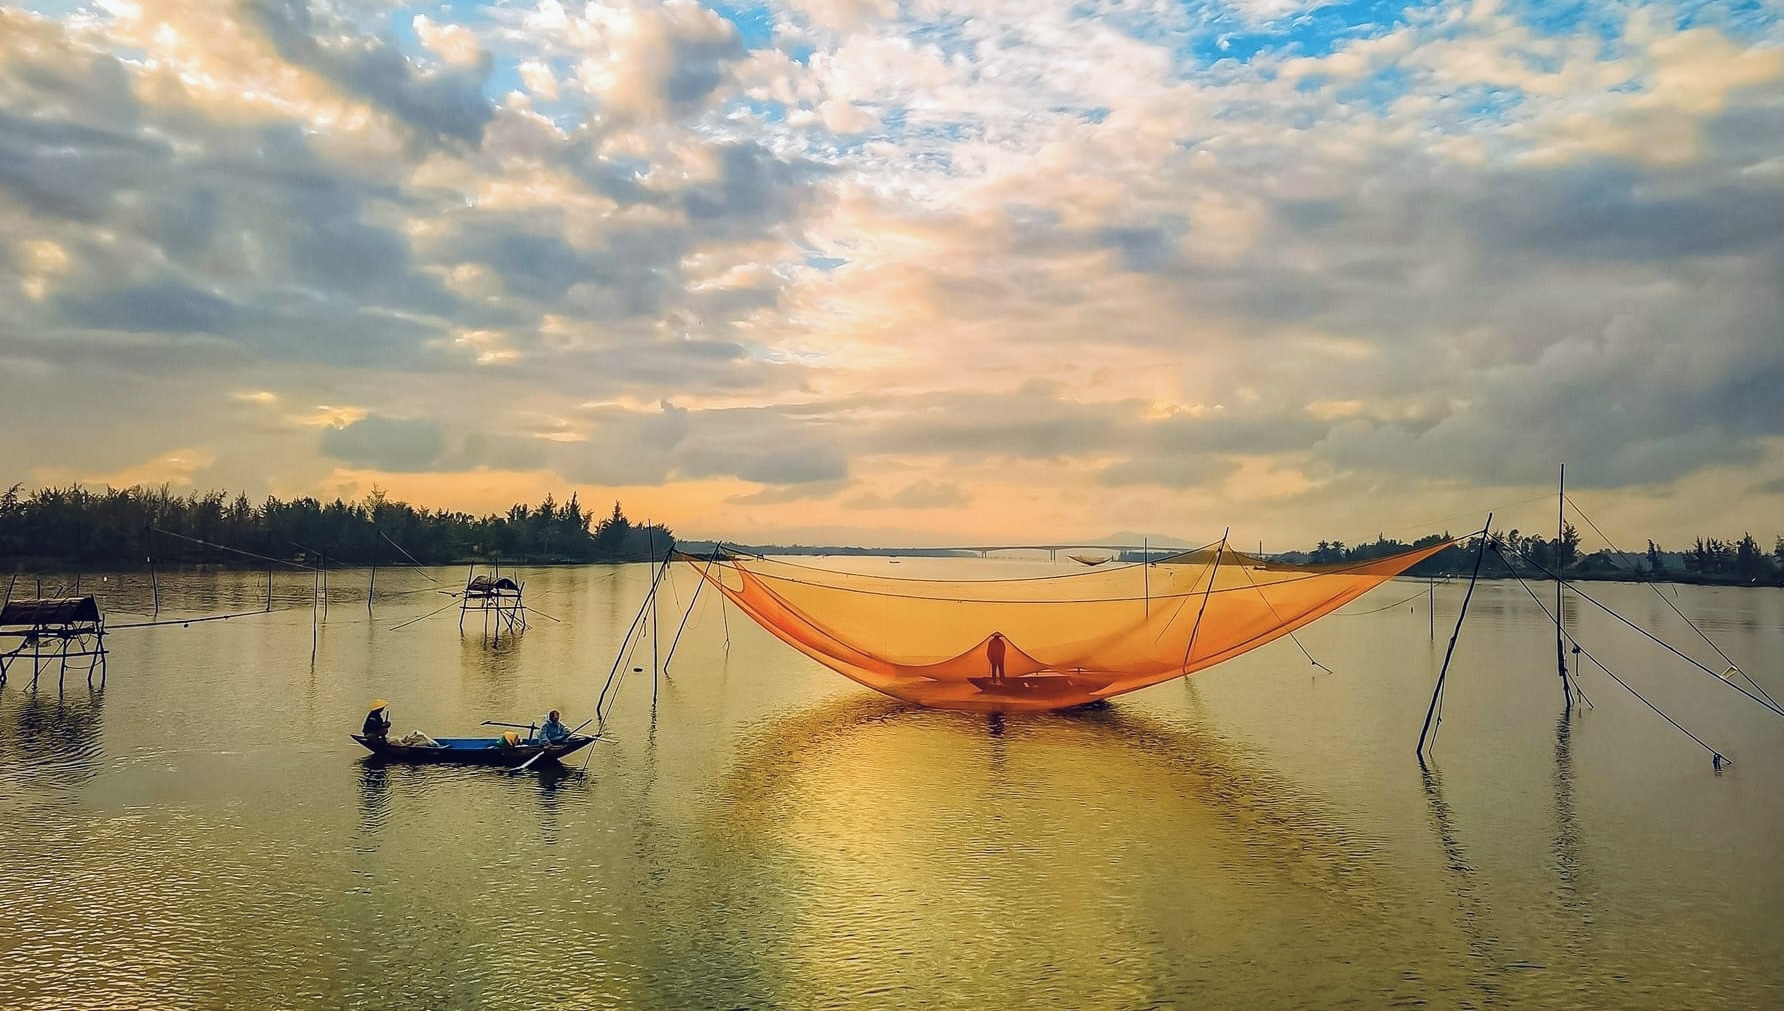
{"x": 1560, "y": 530}
{"x": 1437, "y": 692}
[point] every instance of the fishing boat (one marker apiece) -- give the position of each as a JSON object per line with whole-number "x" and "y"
{"x": 1042, "y": 684}
{"x": 476, "y": 750}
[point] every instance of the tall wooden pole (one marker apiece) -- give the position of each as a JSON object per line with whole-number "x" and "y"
{"x": 1431, "y": 604}
{"x": 1437, "y": 693}
{"x": 148, "y": 534}
{"x": 372, "y": 583}
{"x": 1560, "y": 648}
{"x": 651, "y": 534}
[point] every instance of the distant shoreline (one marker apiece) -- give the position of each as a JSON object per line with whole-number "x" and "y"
{"x": 38, "y": 567}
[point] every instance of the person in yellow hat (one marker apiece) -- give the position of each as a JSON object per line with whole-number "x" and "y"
{"x": 377, "y": 722}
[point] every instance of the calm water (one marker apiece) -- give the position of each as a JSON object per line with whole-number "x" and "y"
{"x": 202, "y": 833}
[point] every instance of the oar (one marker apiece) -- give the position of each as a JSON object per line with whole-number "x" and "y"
{"x": 522, "y": 766}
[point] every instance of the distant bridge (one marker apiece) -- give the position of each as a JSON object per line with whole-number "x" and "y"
{"x": 981, "y": 550}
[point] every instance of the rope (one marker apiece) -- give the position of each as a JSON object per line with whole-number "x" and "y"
{"x": 1551, "y": 617}
{"x": 1617, "y": 552}
{"x": 734, "y": 549}
{"x": 418, "y": 566}
{"x": 693, "y": 599}
{"x": 1713, "y": 753}
{"x": 194, "y": 621}
{"x": 1771, "y": 707}
{"x": 224, "y": 547}
{"x": 1387, "y": 607}
{"x": 430, "y": 614}
{"x": 1190, "y": 592}
{"x": 1279, "y": 621}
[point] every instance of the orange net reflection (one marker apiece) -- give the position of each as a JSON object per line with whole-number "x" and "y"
{"x": 1014, "y": 645}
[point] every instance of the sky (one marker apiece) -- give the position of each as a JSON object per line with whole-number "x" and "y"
{"x": 907, "y": 271}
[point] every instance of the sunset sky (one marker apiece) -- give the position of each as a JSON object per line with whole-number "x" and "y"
{"x": 907, "y": 271}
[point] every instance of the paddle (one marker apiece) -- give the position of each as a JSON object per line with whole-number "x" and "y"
{"x": 541, "y": 753}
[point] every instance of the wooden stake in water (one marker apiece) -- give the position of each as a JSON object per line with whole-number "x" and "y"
{"x": 154, "y": 583}
{"x": 315, "y": 591}
{"x": 1560, "y": 531}
{"x": 1437, "y": 692}
{"x": 651, "y": 534}
{"x": 372, "y": 583}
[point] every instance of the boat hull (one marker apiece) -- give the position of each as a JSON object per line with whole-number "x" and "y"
{"x": 473, "y": 751}
{"x": 1041, "y": 685}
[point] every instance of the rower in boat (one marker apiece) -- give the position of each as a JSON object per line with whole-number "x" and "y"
{"x": 554, "y": 731}
{"x": 377, "y": 722}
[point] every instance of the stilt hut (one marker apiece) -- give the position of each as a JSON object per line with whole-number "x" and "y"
{"x": 55, "y": 631}
{"x": 498, "y": 598}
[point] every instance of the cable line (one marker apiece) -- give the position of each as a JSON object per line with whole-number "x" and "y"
{"x": 1618, "y": 552}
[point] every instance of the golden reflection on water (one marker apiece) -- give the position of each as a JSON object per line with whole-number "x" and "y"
{"x": 1095, "y": 856}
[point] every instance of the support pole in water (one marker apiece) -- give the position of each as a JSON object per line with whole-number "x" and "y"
{"x": 315, "y": 588}
{"x": 1197, "y": 627}
{"x": 693, "y": 599}
{"x": 650, "y": 534}
{"x": 1560, "y": 650}
{"x": 372, "y": 583}
{"x": 1146, "y": 571}
{"x": 619, "y": 657}
{"x": 1431, "y": 604}
{"x": 148, "y": 534}
{"x": 1437, "y": 693}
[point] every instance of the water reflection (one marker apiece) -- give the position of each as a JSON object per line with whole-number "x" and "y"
{"x": 551, "y": 781}
{"x": 374, "y": 796}
{"x": 1473, "y": 916}
{"x": 1127, "y": 835}
{"x": 55, "y": 739}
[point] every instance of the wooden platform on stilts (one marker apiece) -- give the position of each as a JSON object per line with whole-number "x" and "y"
{"x": 52, "y": 632}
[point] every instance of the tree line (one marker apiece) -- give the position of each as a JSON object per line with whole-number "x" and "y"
{"x": 134, "y": 527}
{"x": 1708, "y": 560}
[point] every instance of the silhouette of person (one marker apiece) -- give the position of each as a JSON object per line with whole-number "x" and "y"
{"x": 377, "y": 722}
{"x": 994, "y": 652}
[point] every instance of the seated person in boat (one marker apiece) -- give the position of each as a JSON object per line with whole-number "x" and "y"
{"x": 554, "y": 731}
{"x": 377, "y": 722}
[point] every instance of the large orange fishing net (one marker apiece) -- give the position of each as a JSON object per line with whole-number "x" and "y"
{"x": 1012, "y": 645}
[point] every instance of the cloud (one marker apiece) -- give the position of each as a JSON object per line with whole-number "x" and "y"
{"x": 164, "y": 307}
{"x": 920, "y": 495}
{"x": 437, "y": 107}
{"x": 1238, "y": 259}
{"x": 788, "y": 493}
{"x": 384, "y": 443}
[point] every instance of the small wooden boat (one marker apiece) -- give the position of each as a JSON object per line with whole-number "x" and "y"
{"x": 475, "y": 750}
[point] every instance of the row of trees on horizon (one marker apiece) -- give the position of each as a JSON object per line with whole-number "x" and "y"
{"x": 129, "y": 527}
{"x": 1708, "y": 560}
{"x": 126, "y": 528}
